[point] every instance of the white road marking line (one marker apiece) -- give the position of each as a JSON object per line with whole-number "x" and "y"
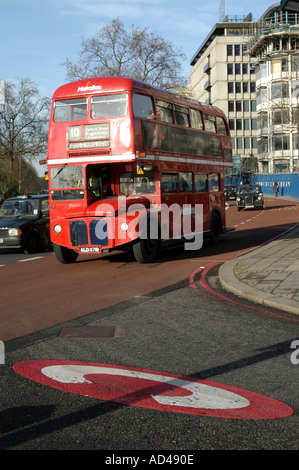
{"x": 29, "y": 259}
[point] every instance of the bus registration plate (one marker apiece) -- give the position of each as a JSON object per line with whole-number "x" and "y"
{"x": 89, "y": 250}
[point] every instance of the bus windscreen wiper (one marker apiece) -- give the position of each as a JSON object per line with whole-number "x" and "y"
{"x": 62, "y": 168}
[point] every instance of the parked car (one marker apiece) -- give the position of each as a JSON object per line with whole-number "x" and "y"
{"x": 24, "y": 223}
{"x": 230, "y": 191}
{"x": 250, "y": 196}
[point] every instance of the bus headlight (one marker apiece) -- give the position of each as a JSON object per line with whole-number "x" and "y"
{"x": 57, "y": 228}
{"x": 124, "y": 227}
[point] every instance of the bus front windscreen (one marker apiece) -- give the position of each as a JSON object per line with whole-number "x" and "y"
{"x": 67, "y": 183}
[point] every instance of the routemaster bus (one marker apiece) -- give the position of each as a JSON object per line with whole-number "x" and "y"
{"x": 121, "y": 154}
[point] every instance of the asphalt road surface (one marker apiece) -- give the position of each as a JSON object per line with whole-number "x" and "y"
{"x": 145, "y": 358}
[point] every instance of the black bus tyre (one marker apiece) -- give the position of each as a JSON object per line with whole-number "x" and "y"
{"x": 64, "y": 255}
{"x": 146, "y": 248}
{"x": 215, "y": 228}
{"x": 146, "y": 251}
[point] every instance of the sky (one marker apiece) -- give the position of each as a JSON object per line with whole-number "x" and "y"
{"x": 37, "y": 36}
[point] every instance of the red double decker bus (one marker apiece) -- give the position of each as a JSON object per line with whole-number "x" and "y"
{"x": 120, "y": 151}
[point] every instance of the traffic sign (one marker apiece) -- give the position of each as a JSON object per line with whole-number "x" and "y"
{"x": 151, "y": 389}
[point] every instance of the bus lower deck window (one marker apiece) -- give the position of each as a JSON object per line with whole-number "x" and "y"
{"x": 130, "y": 183}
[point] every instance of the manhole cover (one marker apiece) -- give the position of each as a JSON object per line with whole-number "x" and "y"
{"x": 87, "y": 332}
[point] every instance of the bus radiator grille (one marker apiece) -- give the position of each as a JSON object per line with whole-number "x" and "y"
{"x": 78, "y": 231}
{"x": 99, "y": 232}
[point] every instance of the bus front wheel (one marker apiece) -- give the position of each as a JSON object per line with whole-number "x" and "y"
{"x": 147, "y": 247}
{"x": 146, "y": 251}
{"x": 64, "y": 255}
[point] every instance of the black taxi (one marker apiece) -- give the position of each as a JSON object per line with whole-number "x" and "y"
{"x": 24, "y": 223}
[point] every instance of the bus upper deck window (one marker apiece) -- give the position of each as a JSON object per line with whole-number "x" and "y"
{"x": 221, "y": 126}
{"x": 196, "y": 119}
{"x": 108, "y": 106}
{"x": 143, "y": 107}
{"x": 181, "y": 115}
{"x": 210, "y": 123}
{"x": 164, "y": 111}
{"x": 70, "y": 110}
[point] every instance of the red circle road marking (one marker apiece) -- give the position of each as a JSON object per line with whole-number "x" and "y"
{"x": 152, "y": 389}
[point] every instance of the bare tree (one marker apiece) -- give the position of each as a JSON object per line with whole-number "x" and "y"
{"x": 136, "y": 53}
{"x": 24, "y": 121}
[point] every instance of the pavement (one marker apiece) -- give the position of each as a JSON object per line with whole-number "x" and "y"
{"x": 268, "y": 274}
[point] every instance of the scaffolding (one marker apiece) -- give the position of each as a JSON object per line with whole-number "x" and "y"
{"x": 279, "y": 26}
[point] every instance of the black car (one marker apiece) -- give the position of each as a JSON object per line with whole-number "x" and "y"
{"x": 24, "y": 223}
{"x": 250, "y": 196}
{"x": 230, "y": 191}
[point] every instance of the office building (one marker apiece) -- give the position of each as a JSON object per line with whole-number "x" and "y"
{"x": 223, "y": 75}
{"x": 250, "y": 69}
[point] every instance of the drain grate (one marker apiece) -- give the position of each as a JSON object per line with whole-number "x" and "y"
{"x": 87, "y": 332}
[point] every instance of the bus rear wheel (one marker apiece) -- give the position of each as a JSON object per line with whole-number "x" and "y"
{"x": 64, "y": 255}
{"x": 215, "y": 228}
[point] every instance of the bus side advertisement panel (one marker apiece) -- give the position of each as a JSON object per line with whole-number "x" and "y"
{"x": 178, "y": 140}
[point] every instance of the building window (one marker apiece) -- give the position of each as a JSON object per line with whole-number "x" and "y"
{"x": 231, "y": 106}
{"x": 229, "y": 49}
{"x": 280, "y": 65}
{"x": 295, "y": 89}
{"x": 230, "y": 87}
{"x": 230, "y": 69}
{"x": 253, "y": 125}
{"x": 238, "y": 106}
{"x": 262, "y": 95}
{"x": 295, "y": 63}
{"x": 253, "y": 106}
{"x": 295, "y": 116}
{"x": 238, "y": 69}
{"x": 245, "y": 106}
{"x": 246, "y": 143}
{"x": 276, "y": 68}
{"x": 263, "y": 122}
{"x": 246, "y": 124}
{"x": 245, "y": 69}
{"x": 281, "y": 166}
{"x": 280, "y": 142}
{"x": 238, "y": 124}
{"x": 262, "y": 145}
{"x": 245, "y": 87}
{"x": 237, "y": 49}
{"x": 280, "y": 90}
{"x": 295, "y": 142}
{"x": 284, "y": 64}
{"x": 263, "y": 70}
{"x": 238, "y": 87}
